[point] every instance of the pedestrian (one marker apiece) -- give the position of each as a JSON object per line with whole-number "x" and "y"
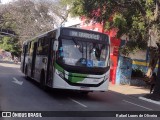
{"x": 153, "y": 82}
{"x": 16, "y": 60}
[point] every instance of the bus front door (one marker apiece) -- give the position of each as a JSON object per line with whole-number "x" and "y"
{"x": 50, "y": 65}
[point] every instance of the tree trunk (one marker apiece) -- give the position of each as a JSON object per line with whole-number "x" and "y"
{"x": 153, "y": 61}
{"x": 157, "y": 84}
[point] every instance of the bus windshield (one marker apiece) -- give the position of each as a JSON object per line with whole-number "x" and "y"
{"x": 82, "y": 53}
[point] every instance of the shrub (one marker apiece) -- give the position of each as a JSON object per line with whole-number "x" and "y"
{"x": 137, "y": 73}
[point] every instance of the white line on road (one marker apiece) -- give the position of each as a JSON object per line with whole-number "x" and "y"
{"x": 137, "y": 105}
{"x": 77, "y": 102}
{"x": 17, "y": 81}
{"x": 149, "y": 100}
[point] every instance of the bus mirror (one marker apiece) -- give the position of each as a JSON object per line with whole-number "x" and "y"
{"x": 55, "y": 46}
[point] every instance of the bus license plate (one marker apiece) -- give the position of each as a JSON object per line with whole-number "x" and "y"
{"x": 84, "y": 88}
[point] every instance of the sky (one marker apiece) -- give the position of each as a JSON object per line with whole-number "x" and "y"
{"x": 5, "y": 1}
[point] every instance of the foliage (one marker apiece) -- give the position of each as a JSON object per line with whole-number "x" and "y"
{"x": 132, "y": 17}
{"x": 29, "y": 18}
{"x": 133, "y": 47}
{"x": 11, "y": 45}
{"x": 138, "y": 19}
{"x": 137, "y": 73}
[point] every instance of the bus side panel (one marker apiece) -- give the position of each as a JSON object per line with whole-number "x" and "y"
{"x": 39, "y": 66}
{"x": 26, "y": 64}
{"x": 42, "y": 56}
{"x": 22, "y": 63}
{"x": 29, "y": 59}
{"x": 23, "y": 55}
{"x": 29, "y": 65}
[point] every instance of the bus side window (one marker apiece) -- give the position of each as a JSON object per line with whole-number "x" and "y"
{"x": 28, "y": 47}
{"x": 25, "y": 49}
{"x": 31, "y": 48}
{"x": 43, "y": 44}
{"x": 39, "y": 47}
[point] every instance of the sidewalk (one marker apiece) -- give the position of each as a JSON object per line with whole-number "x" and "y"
{"x": 9, "y": 64}
{"x": 129, "y": 90}
{"x": 135, "y": 91}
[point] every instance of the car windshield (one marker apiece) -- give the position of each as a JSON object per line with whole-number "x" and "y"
{"x": 81, "y": 53}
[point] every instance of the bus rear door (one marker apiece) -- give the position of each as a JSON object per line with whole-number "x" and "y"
{"x": 33, "y": 59}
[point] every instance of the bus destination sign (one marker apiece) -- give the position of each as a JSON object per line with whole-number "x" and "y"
{"x": 84, "y": 35}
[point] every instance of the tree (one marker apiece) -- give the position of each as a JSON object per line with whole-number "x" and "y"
{"x": 10, "y": 44}
{"x": 135, "y": 18}
{"x": 29, "y": 18}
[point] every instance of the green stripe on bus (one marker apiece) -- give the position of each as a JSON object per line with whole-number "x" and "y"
{"x": 78, "y": 74}
{"x": 59, "y": 68}
{"x": 78, "y": 78}
{"x": 73, "y": 77}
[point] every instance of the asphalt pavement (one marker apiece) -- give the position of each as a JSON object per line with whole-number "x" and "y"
{"x": 141, "y": 92}
{"x": 19, "y": 94}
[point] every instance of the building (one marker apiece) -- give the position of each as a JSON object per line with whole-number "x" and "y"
{"x": 72, "y": 21}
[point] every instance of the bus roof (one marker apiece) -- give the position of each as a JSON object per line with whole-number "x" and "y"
{"x": 41, "y": 35}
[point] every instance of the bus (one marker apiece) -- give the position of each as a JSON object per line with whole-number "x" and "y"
{"x": 68, "y": 58}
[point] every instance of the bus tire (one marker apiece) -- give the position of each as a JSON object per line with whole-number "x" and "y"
{"x": 42, "y": 81}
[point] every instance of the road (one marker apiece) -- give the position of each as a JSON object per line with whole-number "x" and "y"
{"x": 19, "y": 94}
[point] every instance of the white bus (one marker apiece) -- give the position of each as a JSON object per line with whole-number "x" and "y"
{"x": 68, "y": 58}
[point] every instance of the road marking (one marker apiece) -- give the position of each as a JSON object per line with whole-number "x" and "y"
{"x": 149, "y": 100}
{"x": 137, "y": 105}
{"x": 77, "y": 102}
{"x": 17, "y": 81}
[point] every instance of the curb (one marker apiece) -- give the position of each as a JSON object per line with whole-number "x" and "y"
{"x": 149, "y": 100}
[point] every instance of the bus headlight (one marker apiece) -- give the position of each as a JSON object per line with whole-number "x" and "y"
{"x": 105, "y": 77}
{"x": 61, "y": 74}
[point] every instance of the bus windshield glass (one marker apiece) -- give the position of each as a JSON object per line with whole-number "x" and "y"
{"x": 83, "y": 54}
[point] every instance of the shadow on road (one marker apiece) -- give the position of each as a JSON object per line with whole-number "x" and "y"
{"x": 109, "y": 96}
{"x": 58, "y": 93}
